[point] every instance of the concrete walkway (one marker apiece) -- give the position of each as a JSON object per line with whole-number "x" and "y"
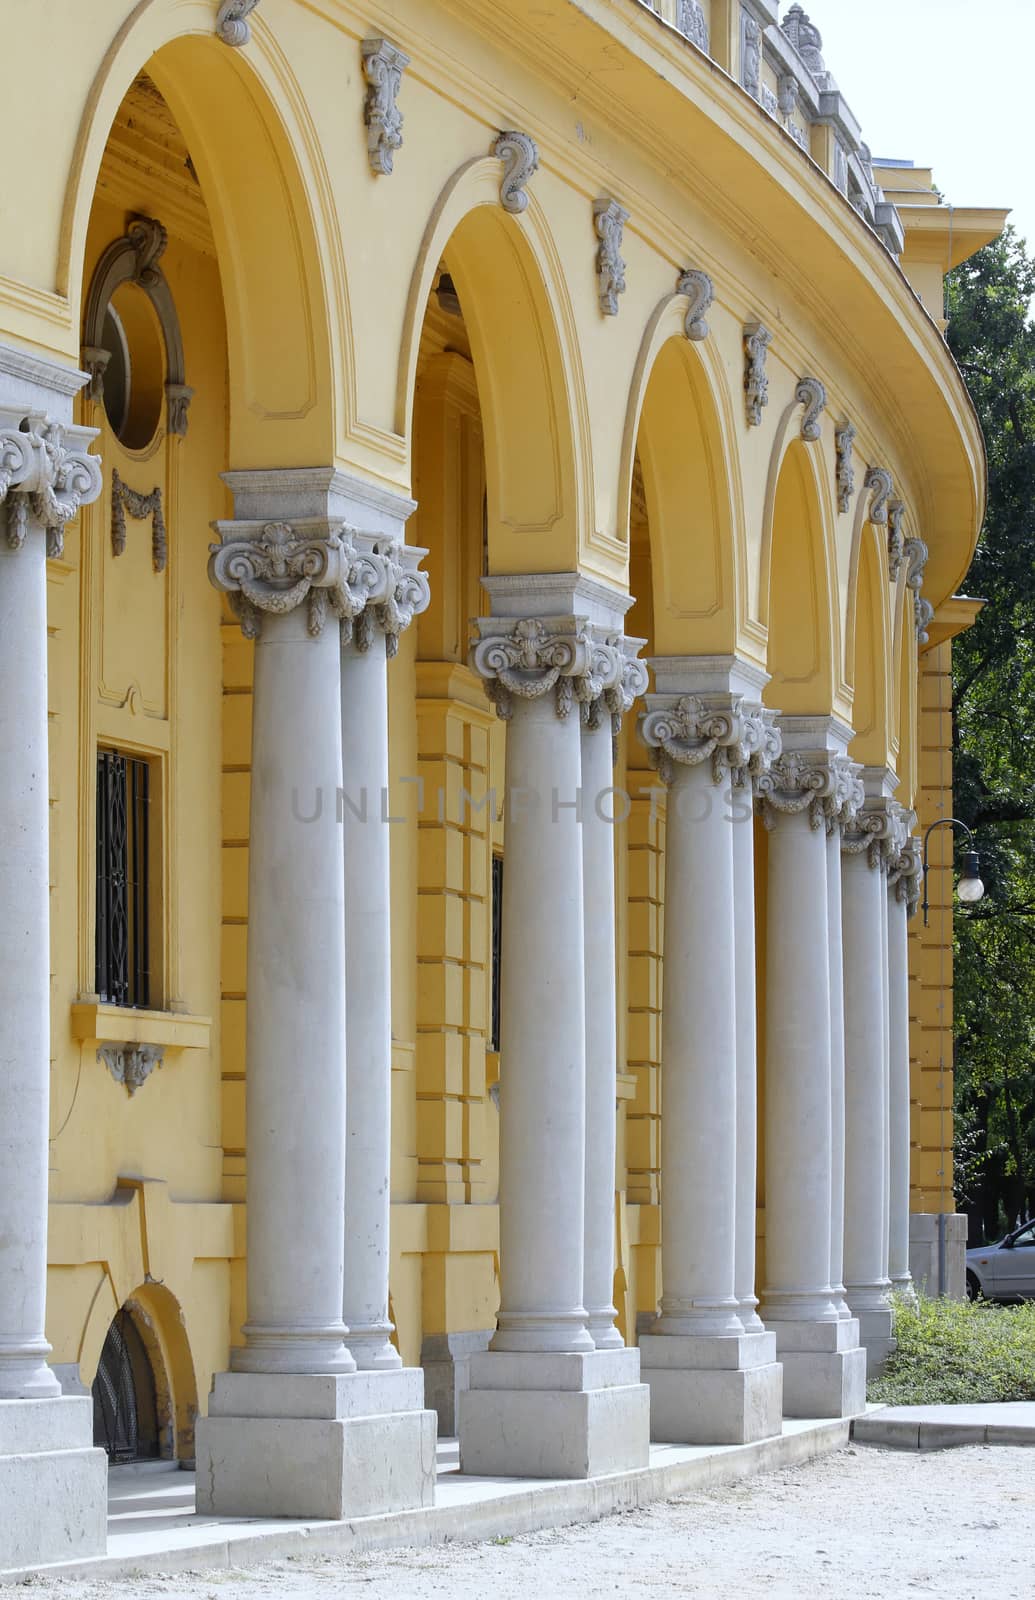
{"x": 153, "y": 1526}
{"x": 942, "y": 1427}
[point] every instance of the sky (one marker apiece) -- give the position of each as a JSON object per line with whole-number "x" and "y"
{"x": 947, "y": 84}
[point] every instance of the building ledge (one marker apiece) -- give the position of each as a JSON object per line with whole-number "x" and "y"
{"x": 96, "y": 1023}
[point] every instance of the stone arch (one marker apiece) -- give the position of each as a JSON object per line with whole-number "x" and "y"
{"x": 259, "y": 165}
{"x": 680, "y": 432}
{"x": 507, "y": 273}
{"x": 798, "y": 595}
{"x": 159, "y": 1319}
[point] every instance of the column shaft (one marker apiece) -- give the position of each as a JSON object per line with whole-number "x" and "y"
{"x": 543, "y": 1038}
{"x": 885, "y": 1014}
{"x": 598, "y": 858}
{"x": 863, "y": 892}
{"x": 837, "y": 1069}
{"x": 898, "y": 973}
{"x": 295, "y": 1007}
{"x": 24, "y": 971}
{"x": 368, "y": 1008}
{"x": 699, "y": 1057}
{"x": 747, "y": 1056}
{"x": 798, "y": 1093}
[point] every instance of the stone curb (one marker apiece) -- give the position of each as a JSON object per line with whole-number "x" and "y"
{"x": 900, "y": 1433}
{"x": 552, "y": 1505}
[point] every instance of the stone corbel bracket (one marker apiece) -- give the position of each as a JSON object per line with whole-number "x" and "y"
{"x": 520, "y": 157}
{"x": 135, "y": 259}
{"x": 879, "y": 481}
{"x": 131, "y": 1064}
{"x": 915, "y": 554}
{"x": 700, "y": 293}
{"x": 383, "y": 66}
{"x": 609, "y": 219}
{"x": 811, "y": 394}
{"x": 896, "y": 539}
{"x": 844, "y": 444}
{"x": 45, "y": 473}
{"x": 757, "y": 340}
{"x": 139, "y": 506}
{"x": 231, "y": 26}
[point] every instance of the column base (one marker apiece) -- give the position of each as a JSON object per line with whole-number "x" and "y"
{"x": 446, "y": 1362}
{"x": 876, "y": 1335}
{"x": 335, "y": 1447}
{"x": 53, "y": 1483}
{"x": 546, "y": 1415}
{"x": 712, "y": 1390}
{"x": 824, "y": 1368}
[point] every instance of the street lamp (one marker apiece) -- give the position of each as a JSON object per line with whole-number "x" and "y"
{"x": 970, "y": 887}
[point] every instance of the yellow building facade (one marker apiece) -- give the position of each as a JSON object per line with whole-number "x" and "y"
{"x": 334, "y": 337}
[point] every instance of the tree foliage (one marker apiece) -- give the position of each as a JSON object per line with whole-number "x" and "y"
{"x": 992, "y": 336}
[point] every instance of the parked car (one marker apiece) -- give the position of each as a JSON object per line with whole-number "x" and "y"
{"x": 1004, "y": 1271}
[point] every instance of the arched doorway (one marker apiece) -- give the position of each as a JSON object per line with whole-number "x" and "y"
{"x": 125, "y": 1395}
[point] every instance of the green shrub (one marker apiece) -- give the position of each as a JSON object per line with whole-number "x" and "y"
{"x": 957, "y": 1352}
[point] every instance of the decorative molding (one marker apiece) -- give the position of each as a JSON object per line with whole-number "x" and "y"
{"x": 750, "y": 53}
{"x": 880, "y": 481}
{"x": 609, "y": 219}
{"x": 131, "y": 1064}
{"x": 383, "y": 66}
{"x": 757, "y": 340}
{"x": 700, "y": 292}
{"x": 230, "y": 21}
{"x": 139, "y": 506}
{"x": 740, "y": 740}
{"x": 40, "y": 371}
{"x": 43, "y": 477}
{"x": 811, "y": 394}
{"x": 135, "y": 258}
{"x": 915, "y": 554}
{"x": 692, "y": 24}
{"x": 896, "y": 539}
{"x": 520, "y": 157}
{"x": 844, "y": 442}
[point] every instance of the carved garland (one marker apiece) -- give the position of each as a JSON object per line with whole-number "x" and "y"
{"x": 383, "y": 67}
{"x": 609, "y": 219}
{"x": 757, "y": 340}
{"x": 844, "y": 442}
{"x": 139, "y": 506}
{"x": 134, "y": 259}
{"x": 700, "y": 292}
{"x": 520, "y": 157}
{"x": 896, "y": 539}
{"x": 795, "y": 783}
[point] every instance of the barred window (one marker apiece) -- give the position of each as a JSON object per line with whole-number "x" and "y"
{"x": 123, "y": 887}
{"x": 497, "y": 945}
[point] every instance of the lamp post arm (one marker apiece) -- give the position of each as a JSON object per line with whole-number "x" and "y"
{"x": 942, "y": 822}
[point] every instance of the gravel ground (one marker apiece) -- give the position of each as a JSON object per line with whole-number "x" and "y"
{"x": 865, "y": 1522}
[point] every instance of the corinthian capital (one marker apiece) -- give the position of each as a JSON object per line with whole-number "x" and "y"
{"x": 45, "y": 473}
{"x": 383, "y": 590}
{"x": 905, "y": 869}
{"x": 269, "y": 569}
{"x": 534, "y": 656}
{"x": 799, "y": 781}
{"x": 878, "y": 829}
{"x": 736, "y": 737}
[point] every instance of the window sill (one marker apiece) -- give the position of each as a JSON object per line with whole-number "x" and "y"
{"x": 96, "y": 1023}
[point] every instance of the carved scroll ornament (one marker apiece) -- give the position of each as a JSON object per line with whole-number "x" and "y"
{"x": 383, "y": 67}
{"x": 740, "y": 740}
{"x": 609, "y": 219}
{"x": 520, "y": 157}
{"x": 567, "y": 660}
{"x": 798, "y": 782}
{"x": 700, "y": 293}
{"x": 879, "y": 480}
{"x": 231, "y": 26}
{"x": 811, "y": 394}
{"x": 44, "y": 477}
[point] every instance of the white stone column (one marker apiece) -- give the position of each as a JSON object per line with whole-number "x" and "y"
{"x": 294, "y": 1430}
{"x": 52, "y": 1483}
{"x": 543, "y": 1402}
{"x": 903, "y": 900}
{"x": 840, "y": 811}
{"x": 398, "y": 592}
{"x": 864, "y": 921}
{"x": 824, "y": 1371}
{"x": 601, "y": 724}
{"x": 710, "y": 1381}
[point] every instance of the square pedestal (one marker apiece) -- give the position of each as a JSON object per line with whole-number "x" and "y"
{"x": 824, "y": 1368}
{"x": 706, "y": 1390}
{"x": 53, "y": 1483}
{"x": 354, "y": 1445}
{"x": 876, "y": 1335}
{"x": 542, "y": 1415}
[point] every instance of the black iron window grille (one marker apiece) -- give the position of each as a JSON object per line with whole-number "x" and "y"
{"x": 497, "y": 948}
{"x": 123, "y": 889}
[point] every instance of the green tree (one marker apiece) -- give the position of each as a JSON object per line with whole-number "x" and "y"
{"x": 992, "y": 336}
